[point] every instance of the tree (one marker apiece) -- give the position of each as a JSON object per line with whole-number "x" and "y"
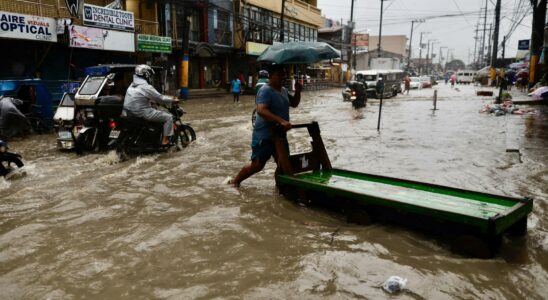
{"x": 456, "y": 64}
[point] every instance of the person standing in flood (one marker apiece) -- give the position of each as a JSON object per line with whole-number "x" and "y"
{"x": 407, "y": 84}
{"x": 236, "y": 88}
{"x": 273, "y": 102}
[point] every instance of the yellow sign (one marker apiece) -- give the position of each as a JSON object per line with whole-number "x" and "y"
{"x": 255, "y": 48}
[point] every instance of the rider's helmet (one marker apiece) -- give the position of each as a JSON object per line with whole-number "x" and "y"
{"x": 145, "y": 71}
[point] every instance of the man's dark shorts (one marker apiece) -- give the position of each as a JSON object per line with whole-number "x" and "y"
{"x": 262, "y": 149}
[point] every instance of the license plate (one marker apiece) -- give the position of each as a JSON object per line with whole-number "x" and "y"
{"x": 64, "y": 135}
{"x": 352, "y": 97}
{"x": 114, "y": 134}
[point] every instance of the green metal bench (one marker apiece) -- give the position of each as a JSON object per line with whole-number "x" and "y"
{"x": 473, "y": 218}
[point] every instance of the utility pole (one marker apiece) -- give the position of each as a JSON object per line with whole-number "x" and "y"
{"x": 428, "y": 54}
{"x": 441, "y": 56}
{"x": 493, "y": 72}
{"x": 282, "y": 21}
{"x": 411, "y": 43}
{"x": 432, "y": 57}
{"x": 380, "y": 32}
{"x": 482, "y": 57}
{"x": 447, "y": 58}
{"x": 420, "y": 52}
{"x": 475, "y": 44}
{"x": 499, "y": 98}
{"x": 489, "y": 47}
{"x": 184, "y": 62}
{"x": 352, "y": 40}
{"x": 537, "y": 35}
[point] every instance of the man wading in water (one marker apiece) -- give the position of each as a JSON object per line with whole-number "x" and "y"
{"x": 273, "y": 103}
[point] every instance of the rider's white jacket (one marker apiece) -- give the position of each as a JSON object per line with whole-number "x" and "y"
{"x": 138, "y": 97}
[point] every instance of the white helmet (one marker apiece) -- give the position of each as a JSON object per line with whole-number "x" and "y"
{"x": 144, "y": 71}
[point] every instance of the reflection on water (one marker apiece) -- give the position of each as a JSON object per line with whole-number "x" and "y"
{"x": 163, "y": 226}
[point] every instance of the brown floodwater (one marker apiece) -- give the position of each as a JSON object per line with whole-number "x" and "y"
{"x": 163, "y": 226}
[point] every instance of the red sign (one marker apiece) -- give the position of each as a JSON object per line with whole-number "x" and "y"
{"x": 360, "y": 39}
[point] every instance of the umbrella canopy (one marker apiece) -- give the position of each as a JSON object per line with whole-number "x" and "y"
{"x": 298, "y": 53}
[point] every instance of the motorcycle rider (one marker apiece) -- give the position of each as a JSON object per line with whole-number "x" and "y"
{"x": 139, "y": 95}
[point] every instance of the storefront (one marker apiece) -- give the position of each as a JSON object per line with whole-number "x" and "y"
{"x": 26, "y": 40}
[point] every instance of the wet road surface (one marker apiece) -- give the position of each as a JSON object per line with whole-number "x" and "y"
{"x": 163, "y": 226}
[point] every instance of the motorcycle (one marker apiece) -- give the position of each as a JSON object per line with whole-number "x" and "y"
{"x": 9, "y": 161}
{"x": 134, "y": 135}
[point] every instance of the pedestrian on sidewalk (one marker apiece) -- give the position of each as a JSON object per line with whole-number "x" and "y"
{"x": 446, "y": 78}
{"x": 273, "y": 102}
{"x": 236, "y": 88}
{"x": 407, "y": 81}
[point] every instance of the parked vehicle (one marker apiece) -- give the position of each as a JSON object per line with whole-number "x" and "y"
{"x": 415, "y": 83}
{"x": 425, "y": 82}
{"x": 63, "y": 122}
{"x": 135, "y": 136}
{"x": 392, "y": 81}
{"x": 465, "y": 76}
{"x": 9, "y": 161}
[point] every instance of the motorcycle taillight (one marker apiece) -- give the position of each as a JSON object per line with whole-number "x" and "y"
{"x": 112, "y": 124}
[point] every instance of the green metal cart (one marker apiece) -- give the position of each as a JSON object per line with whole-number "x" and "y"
{"x": 475, "y": 220}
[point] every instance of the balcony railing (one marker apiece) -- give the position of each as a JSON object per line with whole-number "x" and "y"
{"x": 146, "y": 27}
{"x": 43, "y": 8}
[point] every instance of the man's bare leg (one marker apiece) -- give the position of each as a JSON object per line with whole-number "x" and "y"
{"x": 254, "y": 167}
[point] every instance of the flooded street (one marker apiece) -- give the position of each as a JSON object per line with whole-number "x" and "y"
{"x": 163, "y": 226}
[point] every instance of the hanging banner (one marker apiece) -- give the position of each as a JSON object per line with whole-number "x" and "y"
{"x": 27, "y": 27}
{"x": 118, "y": 41}
{"x": 103, "y": 17}
{"x": 152, "y": 43}
{"x": 101, "y": 39}
{"x": 86, "y": 37}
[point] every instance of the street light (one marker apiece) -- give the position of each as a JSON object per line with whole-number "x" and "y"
{"x": 380, "y": 31}
{"x": 440, "y": 58}
{"x": 420, "y": 51}
{"x": 431, "y": 57}
{"x": 411, "y": 42}
{"x": 447, "y": 57}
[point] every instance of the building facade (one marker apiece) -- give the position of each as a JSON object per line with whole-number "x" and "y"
{"x": 225, "y": 36}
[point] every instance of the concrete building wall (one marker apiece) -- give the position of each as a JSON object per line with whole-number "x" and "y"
{"x": 296, "y": 10}
{"x": 390, "y": 43}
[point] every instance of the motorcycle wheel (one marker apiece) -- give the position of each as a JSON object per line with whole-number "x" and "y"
{"x": 10, "y": 164}
{"x": 184, "y": 136}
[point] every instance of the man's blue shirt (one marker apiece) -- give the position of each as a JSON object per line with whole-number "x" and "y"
{"x": 277, "y": 103}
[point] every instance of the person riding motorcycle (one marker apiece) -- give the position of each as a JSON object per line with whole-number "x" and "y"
{"x": 139, "y": 95}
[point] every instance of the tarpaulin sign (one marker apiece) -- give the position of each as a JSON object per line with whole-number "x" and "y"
{"x": 27, "y": 27}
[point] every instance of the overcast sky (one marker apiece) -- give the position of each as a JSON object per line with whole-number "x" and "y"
{"x": 455, "y": 32}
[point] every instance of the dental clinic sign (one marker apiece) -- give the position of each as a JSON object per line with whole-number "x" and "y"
{"x": 97, "y": 16}
{"x": 17, "y": 26}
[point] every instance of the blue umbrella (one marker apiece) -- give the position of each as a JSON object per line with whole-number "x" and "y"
{"x": 298, "y": 53}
